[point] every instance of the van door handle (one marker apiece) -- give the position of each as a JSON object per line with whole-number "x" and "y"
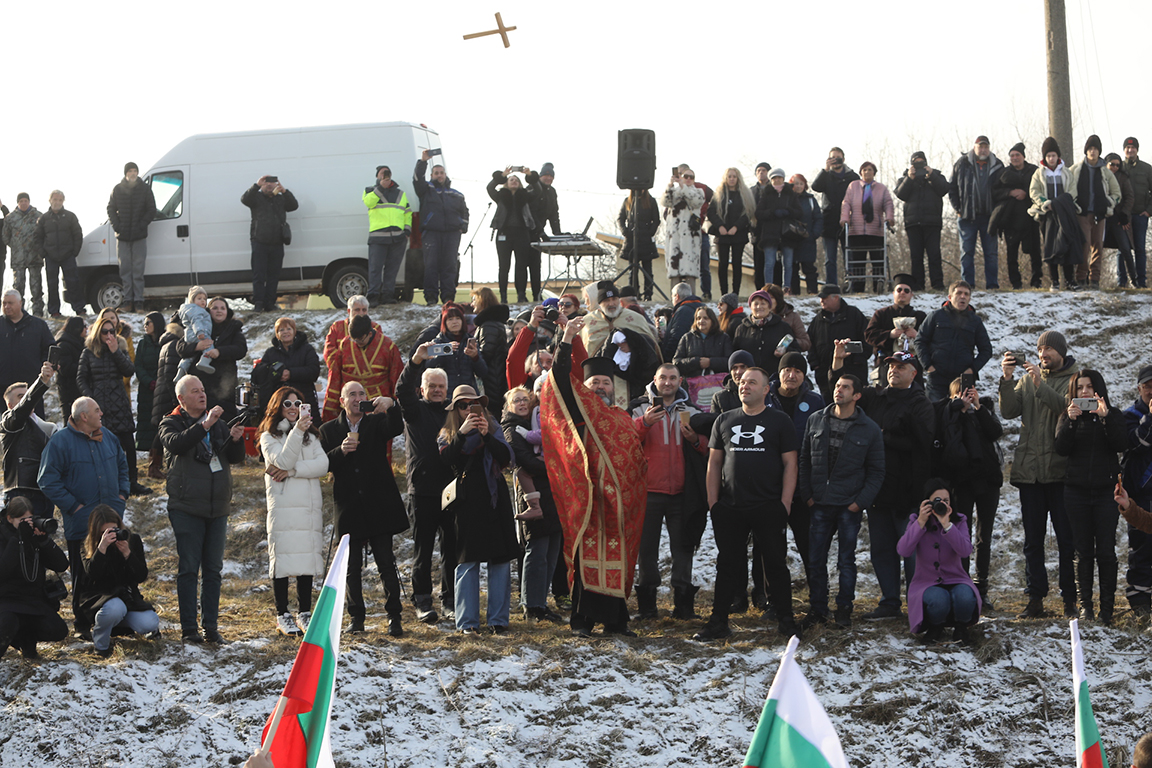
{"x": 181, "y": 230}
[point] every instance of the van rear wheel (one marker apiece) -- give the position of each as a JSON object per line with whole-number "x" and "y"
{"x": 108, "y": 293}
{"x": 348, "y": 281}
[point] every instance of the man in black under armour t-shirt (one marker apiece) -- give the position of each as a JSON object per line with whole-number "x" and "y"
{"x": 752, "y": 467}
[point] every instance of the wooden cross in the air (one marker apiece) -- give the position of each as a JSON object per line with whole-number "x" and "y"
{"x": 500, "y": 30}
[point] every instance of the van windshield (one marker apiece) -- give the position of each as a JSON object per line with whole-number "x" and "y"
{"x": 168, "y": 189}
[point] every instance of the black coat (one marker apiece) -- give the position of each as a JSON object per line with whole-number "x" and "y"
{"x": 908, "y": 423}
{"x": 694, "y": 345}
{"x": 649, "y": 223}
{"x": 193, "y": 488}
{"x": 923, "y": 199}
{"x": 269, "y": 212}
{"x": 229, "y": 341}
{"x": 303, "y": 366}
{"x": 513, "y": 209}
{"x": 642, "y": 367}
{"x": 368, "y": 502}
{"x": 485, "y": 531}
{"x": 442, "y": 208}
{"x": 22, "y": 441}
{"x": 545, "y": 204}
{"x": 131, "y": 208}
{"x": 832, "y": 188}
{"x": 58, "y": 235}
{"x": 23, "y": 349}
{"x": 826, "y": 327}
{"x": 880, "y": 327}
{"x": 492, "y": 340}
{"x": 773, "y": 212}
{"x": 427, "y": 474}
{"x": 110, "y": 575}
{"x": 1010, "y": 215}
{"x": 71, "y": 347}
{"x": 17, "y": 593}
{"x": 528, "y": 461}
{"x": 762, "y": 340}
{"x": 965, "y": 445}
{"x": 102, "y": 379}
{"x": 164, "y": 396}
{"x": 734, "y": 216}
{"x": 1091, "y": 445}
{"x": 147, "y": 366}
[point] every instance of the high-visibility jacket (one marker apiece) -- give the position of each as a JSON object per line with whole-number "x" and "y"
{"x": 389, "y": 215}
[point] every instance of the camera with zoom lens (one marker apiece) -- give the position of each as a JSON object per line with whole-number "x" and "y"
{"x": 247, "y": 410}
{"x": 46, "y": 525}
{"x": 939, "y": 506}
{"x": 122, "y": 534}
{"x": 551, "y": 314}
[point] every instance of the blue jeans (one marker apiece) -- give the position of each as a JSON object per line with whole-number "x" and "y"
{"x": 1139, "y": 246}
{"x": 885, "y": 528}
{"x": 200, "y": 549}
{"x": 831, "y": 244}
{"x": 956, "y": 599}
{"x": 440, "y": 252}
{"x": 827, "y": 521}
{"x": 468, "y": 594}
{"x": 969, "y": 228}
{"x": 384, "y": 261}
{"x": 770, "y": 263}
{"x": 540, "y": 556}
{"x": 705, "y": 263}
{"x": 1038, "y": 503}
{"x": 114, "y": 614}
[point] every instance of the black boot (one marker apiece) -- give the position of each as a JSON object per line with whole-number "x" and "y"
{"x": 684, "y": 599}
{"x": 646, "y": 603}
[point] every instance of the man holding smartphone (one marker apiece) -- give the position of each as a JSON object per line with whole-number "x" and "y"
{"x": 443, "y": 219}
{"x": 270, "y": 204}
{"x": 837, "y": 319}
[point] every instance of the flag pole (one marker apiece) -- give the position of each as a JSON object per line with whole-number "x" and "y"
{"x": 281, "y": 705}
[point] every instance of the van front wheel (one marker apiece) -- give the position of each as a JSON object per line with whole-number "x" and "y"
{"x": 108, "y": 292}
{"x": 348, "y": 281}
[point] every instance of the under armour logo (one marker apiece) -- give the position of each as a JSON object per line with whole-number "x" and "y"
{"x": 738, "y": 435}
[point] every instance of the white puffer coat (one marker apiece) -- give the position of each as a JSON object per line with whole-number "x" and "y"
{"x": 295, "y": 508}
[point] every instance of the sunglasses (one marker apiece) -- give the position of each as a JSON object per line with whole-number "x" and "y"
{"x": 293, "y": 403}
{"x": 464, "y": 405}
{"x": 690, "y": 177}
{"x": 107, "y": 332}
{"x": 567, "y": 304}
{"x": 903, "y": 290}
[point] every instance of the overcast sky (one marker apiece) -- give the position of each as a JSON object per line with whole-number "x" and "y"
{"x": 92, "y": 86}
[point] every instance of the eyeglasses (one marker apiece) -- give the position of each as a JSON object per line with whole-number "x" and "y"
{"x": 520, "y": 401}
{"x": 293, "y": 403}
{"x": 903, "y": 289}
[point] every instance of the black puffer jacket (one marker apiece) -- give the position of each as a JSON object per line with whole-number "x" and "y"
{"x": 1091, "y": 445}
{"x": 717, "y": 347}
{"x": 773, "y": 213}
{"x": 513, "y": 209}
{"x": 131, "y": 208}
{"x": 303, "y": 366}
{"x": 832, "y": 188}
{"x": 545, "y": 206}
{"x": 228, "y": 338}
{"x": 965, "y": 443}
{"x": 23, "y": 441}
{"x": 492, "y": 339}
{"x": 269, "y": 212}
{"x": 528, "y": 460}
{"x": 761, "y": 340}
{"x": 102, "y": 379}
{"x": 164, "y": 396}
{"x": 923, "y": 199}
{"x": 58, "y": 235}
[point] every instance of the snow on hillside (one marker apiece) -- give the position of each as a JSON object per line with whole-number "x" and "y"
{"x": 533, "y": 700}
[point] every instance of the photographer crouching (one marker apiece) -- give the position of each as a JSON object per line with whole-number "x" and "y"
{"x": 27, "y": 551}
{"x": 941, "y": 592}
{"x": 114, "y": 567}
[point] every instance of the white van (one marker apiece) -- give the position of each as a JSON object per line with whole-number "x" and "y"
{"x": 200, "y": 235}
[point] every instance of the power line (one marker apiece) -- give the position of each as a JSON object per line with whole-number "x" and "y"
{"x": 1099, "y": 76}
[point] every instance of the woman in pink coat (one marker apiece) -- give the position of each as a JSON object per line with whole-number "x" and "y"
{"x": 867, "y": 206}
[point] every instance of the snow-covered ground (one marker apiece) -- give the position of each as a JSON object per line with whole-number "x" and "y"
{"x": 530, "y": 699}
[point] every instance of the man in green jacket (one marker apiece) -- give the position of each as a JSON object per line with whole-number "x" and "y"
{"x": 1038, "y": 399}
{"x": 389, "y": 225}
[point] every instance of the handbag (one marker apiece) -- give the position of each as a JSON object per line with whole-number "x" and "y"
{"x": 453, "y": 492}
{"x": 702, "y": 388}
{"x": 286, "y": 233}
{"x": 795, "y": 231}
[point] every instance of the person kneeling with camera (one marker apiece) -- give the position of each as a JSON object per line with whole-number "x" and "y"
{"x": 27, "y": 551}
{"x": 941, "y": 592}
{"x": 114, "y": 567}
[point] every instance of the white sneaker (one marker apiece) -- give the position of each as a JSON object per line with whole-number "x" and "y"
{"x": 302, "y": 620}
{"x": 286, "y": 625}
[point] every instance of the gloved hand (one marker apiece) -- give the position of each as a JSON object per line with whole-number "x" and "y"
{"x": 781, "y": 213}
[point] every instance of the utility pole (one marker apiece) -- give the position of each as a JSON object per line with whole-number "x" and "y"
{"x": 1059, "y": 92}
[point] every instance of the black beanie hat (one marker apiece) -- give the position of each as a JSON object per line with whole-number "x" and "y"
{"x": 1018, "y": 147}
{"x": 1112, "y": 156}
{"x": 1049, "y": 145}
{"x": 793, "y": 360}
{"x": 1093, "y": 141}
{"x": 606, "y": 289}
{"x": 1131, "y": 141}
{"x": 765, "y": 166}
{"x": 130, "y": 167}
{"x": 918, "y": 156}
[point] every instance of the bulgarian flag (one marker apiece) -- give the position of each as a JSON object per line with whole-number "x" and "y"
{"x": 794, "y": 731}
{"x": 1089, "y": 752}
{"x": 296, "y": 735}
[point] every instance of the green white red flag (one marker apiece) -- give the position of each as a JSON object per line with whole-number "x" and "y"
{"x": 296, "y": 735}
{"x": 794, "y": 730}
{"x": 1089, "y": 750}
